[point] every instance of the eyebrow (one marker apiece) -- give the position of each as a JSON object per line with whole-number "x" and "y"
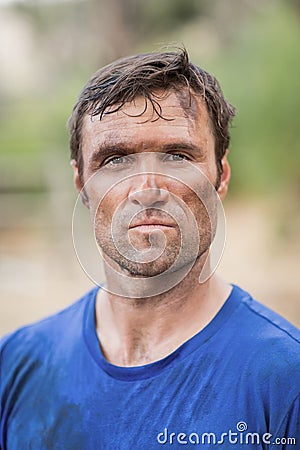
{"x": 125, "y": 149}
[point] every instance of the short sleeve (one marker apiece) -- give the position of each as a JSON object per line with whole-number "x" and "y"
{"x": 288, "y": 435}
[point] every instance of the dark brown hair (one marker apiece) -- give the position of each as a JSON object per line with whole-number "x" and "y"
{"x": 143, "y": 75}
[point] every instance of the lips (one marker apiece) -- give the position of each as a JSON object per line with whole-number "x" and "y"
{"x": 151, "y": 222}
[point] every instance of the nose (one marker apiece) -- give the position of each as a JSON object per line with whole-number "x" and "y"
{"x": 148, "y": 186}
{"x": 149, "y": 191}
{"x": 149, "y": 196}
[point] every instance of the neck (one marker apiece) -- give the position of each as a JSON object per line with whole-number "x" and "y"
{"x": 141, "y": 330}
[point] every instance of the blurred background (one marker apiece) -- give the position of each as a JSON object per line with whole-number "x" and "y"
{"x": 48, "y": 51}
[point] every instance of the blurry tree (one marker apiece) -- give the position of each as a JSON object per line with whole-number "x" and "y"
{"x": 162, "y": 17}
{"x": 260, "y": 71}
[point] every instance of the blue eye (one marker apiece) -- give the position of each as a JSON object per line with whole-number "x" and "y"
{"x": 177, "y": 157}
{"x": 116, "y": 160}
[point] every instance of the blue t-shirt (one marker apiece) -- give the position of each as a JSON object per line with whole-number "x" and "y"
{"x": 235, "y": 384}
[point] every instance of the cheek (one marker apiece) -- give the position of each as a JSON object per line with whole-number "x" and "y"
{"x": 109, "y": 204}
{"x": 200, "y": 205}
{"x": 185, "y": 193}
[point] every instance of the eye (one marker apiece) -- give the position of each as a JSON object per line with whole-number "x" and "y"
{"x": 115, "y": 160}
{"x": 177, "y": 157}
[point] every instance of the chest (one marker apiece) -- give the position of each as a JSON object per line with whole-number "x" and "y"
{"x": 187, "y": 407}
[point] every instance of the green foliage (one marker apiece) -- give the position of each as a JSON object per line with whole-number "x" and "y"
{"x": 260, "y": 75}
{"x": 161, "y": 16}
{"x": 31, "y": 128}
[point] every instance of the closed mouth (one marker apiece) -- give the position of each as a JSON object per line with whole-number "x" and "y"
{"x": 152, "y": 221}
{"x": 150, "y": 225}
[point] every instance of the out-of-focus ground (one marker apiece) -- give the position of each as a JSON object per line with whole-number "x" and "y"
{"x": 40, "y": 273}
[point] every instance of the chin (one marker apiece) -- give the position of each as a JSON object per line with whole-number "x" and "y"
{"x": 169, "y": 262}
{"x": 146, "y": 270}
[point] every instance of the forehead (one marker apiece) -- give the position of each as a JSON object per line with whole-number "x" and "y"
{"x": 177, "y": 115}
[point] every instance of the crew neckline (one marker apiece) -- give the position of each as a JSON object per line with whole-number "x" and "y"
{"x": 153, "y": 369}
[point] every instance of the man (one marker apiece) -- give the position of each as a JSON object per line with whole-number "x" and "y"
{"x": 165, "y": 352}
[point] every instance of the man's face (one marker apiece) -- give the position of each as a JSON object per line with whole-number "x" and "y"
{"x": 142, "y": 174}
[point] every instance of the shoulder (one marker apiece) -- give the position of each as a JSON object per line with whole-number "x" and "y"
{"x": 266, "y": 325}
{"x": 270, "y": 343}
{"x": 46, "y": 333}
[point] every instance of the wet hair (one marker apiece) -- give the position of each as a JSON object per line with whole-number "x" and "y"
{"x": 144, "y": 75}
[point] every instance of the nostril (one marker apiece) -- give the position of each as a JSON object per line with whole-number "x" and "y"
{"x": 149, "y": 197}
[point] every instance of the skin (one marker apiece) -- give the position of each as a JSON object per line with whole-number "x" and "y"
{"x": 136, "y": 329}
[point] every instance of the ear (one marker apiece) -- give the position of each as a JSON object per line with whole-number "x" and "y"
{"x": 78, "y": 183}
{"x": 225, "y": 177}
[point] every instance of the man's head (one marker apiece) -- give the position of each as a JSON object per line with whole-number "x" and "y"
{"x": 149, "y": 139}
{"x": 144, "y": 75}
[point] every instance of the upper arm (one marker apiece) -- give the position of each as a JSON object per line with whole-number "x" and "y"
{"x": 288, "y": 434}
